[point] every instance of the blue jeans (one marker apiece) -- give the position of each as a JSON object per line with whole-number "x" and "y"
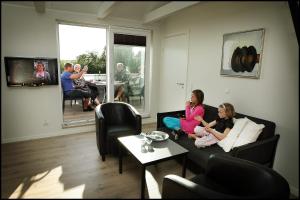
{"x": 172, "y": 123}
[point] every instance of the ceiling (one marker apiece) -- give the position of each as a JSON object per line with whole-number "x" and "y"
{"x": 134, "y": 10}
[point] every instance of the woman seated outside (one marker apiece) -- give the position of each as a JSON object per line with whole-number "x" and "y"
{"x": 122, "y": 75}
{"x": 69, "y": 89}
{"x": 81, "y": 83}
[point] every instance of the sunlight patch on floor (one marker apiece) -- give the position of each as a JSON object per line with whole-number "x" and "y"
{"x": 46, "y": 183}
{"x": 73, "y": 193}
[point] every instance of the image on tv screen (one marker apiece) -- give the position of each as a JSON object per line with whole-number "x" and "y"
{"x": 31, "y": 71}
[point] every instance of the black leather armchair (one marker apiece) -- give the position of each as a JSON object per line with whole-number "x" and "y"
{"x": 228, "y": 177}
{"x": 114, "y": 120}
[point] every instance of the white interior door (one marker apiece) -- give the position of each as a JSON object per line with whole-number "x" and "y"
{"x": 174, "y": 72}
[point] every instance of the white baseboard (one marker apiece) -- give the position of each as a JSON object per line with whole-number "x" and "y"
{"x": 294, "y": 191}
{"x": 64, "y": 131}
{"x": 148, "y": 120}
{"x": 46, "y": 135}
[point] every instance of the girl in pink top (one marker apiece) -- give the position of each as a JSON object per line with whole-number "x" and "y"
{"x": 193, "y": 108}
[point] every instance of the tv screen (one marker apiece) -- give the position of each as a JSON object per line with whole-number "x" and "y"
{"x": 31, "y": 71}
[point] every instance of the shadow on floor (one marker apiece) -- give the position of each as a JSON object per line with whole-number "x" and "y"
{"x": 70, "y": 167}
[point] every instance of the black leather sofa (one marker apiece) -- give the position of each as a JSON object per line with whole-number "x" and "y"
{"x": 228, "y": 177}
{"x": 114, "y": 120}
{"x": 262, "y": 151}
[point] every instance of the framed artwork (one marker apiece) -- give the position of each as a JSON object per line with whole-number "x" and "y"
{"x": 242, "y": 53}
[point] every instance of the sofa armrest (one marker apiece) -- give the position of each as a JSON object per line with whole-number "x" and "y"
{"x": 262, "y": 151}
{"x": 133, "y": 110}
{"x": 100, "y": 130}
{"x": 160, "y": 116}
{"x": 136, "y": 119}
{"x": 180, "y": 188}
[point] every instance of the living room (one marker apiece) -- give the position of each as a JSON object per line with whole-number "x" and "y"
{"x": 42, "y": 157}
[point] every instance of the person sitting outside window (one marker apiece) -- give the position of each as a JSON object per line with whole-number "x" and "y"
{"x": 81, "y": 83}
{"x": 122, "y": 75}
{"x": 69, "y": 89}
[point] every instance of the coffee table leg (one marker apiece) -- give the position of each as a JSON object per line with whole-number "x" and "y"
{"x": 184, "y": 166}
{"x": 120, "y": 158}
{"x": 143, "y": 180}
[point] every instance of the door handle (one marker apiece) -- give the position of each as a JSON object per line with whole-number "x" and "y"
{"x": 180, "y": 84}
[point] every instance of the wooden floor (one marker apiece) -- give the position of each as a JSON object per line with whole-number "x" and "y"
{"x": 70, "y": 167}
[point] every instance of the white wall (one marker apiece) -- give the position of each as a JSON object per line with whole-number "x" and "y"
{"x": 29, "y": 34}
{"x": 275, "y": 95}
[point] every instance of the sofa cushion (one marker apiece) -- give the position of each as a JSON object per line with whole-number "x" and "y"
{"x": 212, "y": 112}
{"x": 201, "y": 156}
{"x": 113, "y": 132}
{"x": 233, "y": 134}
{"x": 119, "y": 130}
{"x": 249, "y": 134}
{"x": 197, "y": 155}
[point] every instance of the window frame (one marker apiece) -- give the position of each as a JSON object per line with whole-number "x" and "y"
{"x": 110, "y": 60}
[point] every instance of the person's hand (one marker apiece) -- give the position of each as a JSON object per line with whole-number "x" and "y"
{"x": 82, "y": 77}
{"x": 198, "y": 118}
{"x": 85, "y": 68}
{"x": 187, "y": 103}
{"x": 208, "y": 129}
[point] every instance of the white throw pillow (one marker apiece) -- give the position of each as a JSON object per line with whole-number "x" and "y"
{"x": 233, "y": 134}
{"x": 249, "y": 134}
{"x": 234, "y": 120}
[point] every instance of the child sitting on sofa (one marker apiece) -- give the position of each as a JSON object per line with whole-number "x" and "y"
{"x": 193, "y": 108}
{"x": 206, "y": 136}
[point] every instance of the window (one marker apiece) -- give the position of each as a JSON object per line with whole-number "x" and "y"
{"x": 130, "y": 73}
{"x": 83, "y": 45}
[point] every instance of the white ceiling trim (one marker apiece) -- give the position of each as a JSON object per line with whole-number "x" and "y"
{"x": 166, "y": 10}
{"x": 105, "y": 9}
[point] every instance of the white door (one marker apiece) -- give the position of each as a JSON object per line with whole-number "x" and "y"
{"x": 174, "y": 72}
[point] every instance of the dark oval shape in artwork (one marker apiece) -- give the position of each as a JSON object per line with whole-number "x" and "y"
{"x": 236, "y": 60}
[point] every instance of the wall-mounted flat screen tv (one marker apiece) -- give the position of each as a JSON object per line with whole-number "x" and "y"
{"x": 31, "y": 71}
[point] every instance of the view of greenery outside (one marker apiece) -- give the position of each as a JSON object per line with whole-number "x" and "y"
{"x": 63, "y": 62}
{"x": 97, "y": 63}
{"x": 125, "y": 55}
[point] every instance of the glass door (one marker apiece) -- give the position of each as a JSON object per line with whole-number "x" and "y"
{"x": 129, "y": 67}
{"x": 79, "y": 46}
